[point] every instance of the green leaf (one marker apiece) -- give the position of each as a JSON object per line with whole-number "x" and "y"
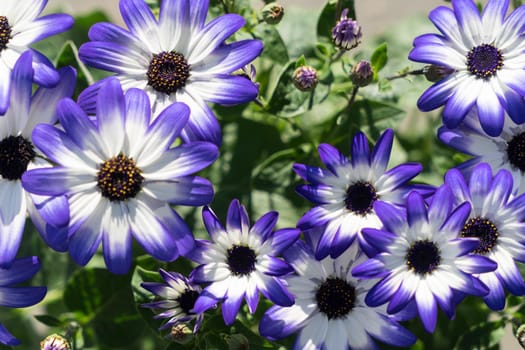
{"x": 329, "y": 17}
{"x": 104, "y": 304}
{"x": 301, "y": 61}
{"x": 274, "y": 47}
{"x": 271, "y": 201}
{"x": 49, "y": 320}
{"x": 287, "y": 100}
{"x": 141, "y": 295}
{"x": 324, "y": 51}
{"x": 484, "y": 336}
{"x": 379, "y": 58}
{"x": 369, "y": 116}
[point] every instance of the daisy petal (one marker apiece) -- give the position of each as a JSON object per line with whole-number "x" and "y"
{"x": 427, "y": 308}
{"x": 212, "y": 35}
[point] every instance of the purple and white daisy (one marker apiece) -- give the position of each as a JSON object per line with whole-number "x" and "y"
{"x": 17, "y": 154}
{"x": 178, "y": 295}
{"x": 505, "y": 151}
{"x": 175, "y": 58}
{"x": 20, "y": 27}
{"x": 121, "y": 175}
{"x": 241, "y": 260}
{"x": 486, "y": 53}
{"x": 16, "y": 296}
{"x": 497, "y": 220}
{"x": 345, "y": 193}
{"x": 330, "y": 310}
{"x": 421, "y": 259}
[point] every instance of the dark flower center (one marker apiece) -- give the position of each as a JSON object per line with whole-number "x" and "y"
{"x": 15, "y": 154}
{"x": 5, "y": 32}
{"x": 187, "y": 300}
{"x": 360, "y": 198}
{"x": 168, "y": 72}
{"x": 483, "y": 229}
{"x": 423, "y": 257}
{"x": 516, "y": 151}
{"x": 484, "y": 60}
{"x": 335, "y": 298}
{"x": 241, "y": 260}
{"x": 119, "y": 178}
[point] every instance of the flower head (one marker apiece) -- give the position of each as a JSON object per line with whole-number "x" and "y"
{"x": 505, "y": 151}
{"x": 15, "y": 296}
{"x": 345, "y": 193}
{"x": 241, "y": 260}
{"x": 347, "y": 33}
{"x": 330, "y": 310}
{"x": 421, "y": 259}
{"x": 497, "y": 220}
{"x": 20, "y": 27}
{"x": 177, "y": 58}
{"x": 178, "y": 295}
{"x": 121, "y": 175}
{"x": 18, "y": 154}
{"x": 485, "y": 53}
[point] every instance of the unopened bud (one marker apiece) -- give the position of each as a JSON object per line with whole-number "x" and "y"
{"x": 181, "y": 334}
{"x": 55, "y": 342}
{"x": 347, "y": 33}
{"x": 305, "y": 78}
{"x": 435, "y": 73}
{"x": 238, "y": 342}
{"x": 362, "y": 74}
{"x": 272, "y": 13}
{"x": 520, "y": 335}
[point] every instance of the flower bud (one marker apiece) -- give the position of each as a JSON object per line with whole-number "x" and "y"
{"x": 305, "y": 78}
{"x": 272, "y": 13}
{"x": 55, "y": 342}
{"x": 520, "y": 335}
{"x": 362, "y": 74}
{"x": 347, "y": 33}
{"x": 181, "y": 334}
{"x": 238, "y": 342}
{"x": 435, "y": 73}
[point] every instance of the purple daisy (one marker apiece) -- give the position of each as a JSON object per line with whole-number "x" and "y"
{"x": 121, "y": 175}
{"x": 497, "y": 220}
{"x": 421, "y": 259}
{"x": 500, "y": 152}
{"x": 14, "y": 296}
{"x": 175, "y": 58}
{"x": 50, "y": 215}
{"x": 485, "y": 53}
{"x": 178, "y": 295}
{"x": 241, "y": 260}
{"x": 345, "y": 193}
{"x": 330, "y": 310}
{"x": 20, "y": 27}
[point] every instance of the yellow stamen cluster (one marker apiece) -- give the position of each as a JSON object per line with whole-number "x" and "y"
{"x": 168, "y": 72}
{"x": 119, "y": 178}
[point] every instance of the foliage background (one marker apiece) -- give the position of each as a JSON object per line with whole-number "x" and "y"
{"x": 258, "y": 171}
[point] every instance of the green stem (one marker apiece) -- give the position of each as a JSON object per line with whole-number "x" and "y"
{"x": 338, "y": 10}
{"x": 405, "y": 74}
{"x": 351, "y": 101}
